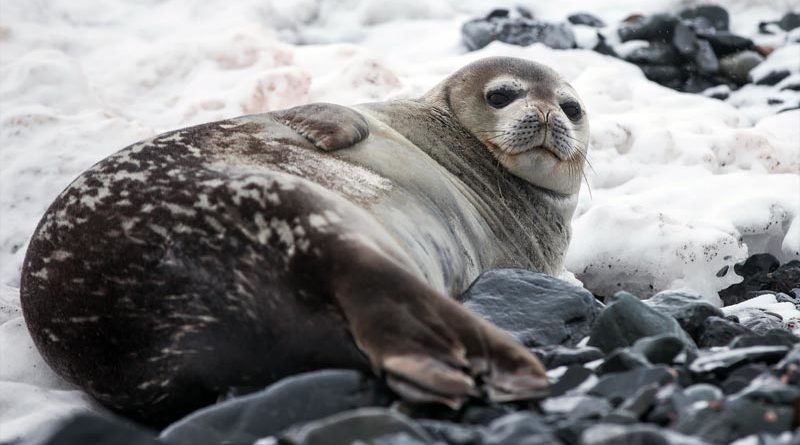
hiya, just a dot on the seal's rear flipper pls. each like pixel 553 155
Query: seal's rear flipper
pixel 328 126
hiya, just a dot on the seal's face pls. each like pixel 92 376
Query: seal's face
pixel 530 119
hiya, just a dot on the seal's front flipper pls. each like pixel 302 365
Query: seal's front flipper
pixel 328 126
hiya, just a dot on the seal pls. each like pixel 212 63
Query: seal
pixel 238 252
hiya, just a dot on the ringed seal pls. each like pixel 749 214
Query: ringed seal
pixel 238 252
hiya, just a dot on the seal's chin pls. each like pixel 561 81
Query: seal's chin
pixel 543 167
pixel 538 149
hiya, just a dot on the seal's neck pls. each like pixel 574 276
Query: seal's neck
pixel 519 214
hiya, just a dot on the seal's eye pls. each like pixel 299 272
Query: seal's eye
pixel 572 110
pixel 498 99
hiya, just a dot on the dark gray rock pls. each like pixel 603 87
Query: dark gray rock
pixel 762 272
pixel 741 377
pixel 618 387
pixel 670 401
pixel 725 43
pixel 705 59
pixel 715 361
pixel 577 406
pixel 627 319
pixel 621 360
pixel 520 428
pixel 788 369
pixel 603 47
pixel 688 308
pixel 718 331
pixel 641 401
pixel 737 66
pixel 759 321
pixel 769 389
pixel 703 392
pixel 555 356
pixel 378 426
pixel 584 18
pixel 661 349
pixel 297 399
pixel 789 21
pixel 668 75
pixel 573 377
pixel 87 428
pixel 638 434
pixel 725 422
pixel 453 433
pixel 484 414
pixel 534 307
pixel 656 53
pixel 684 40
pixel 775 337
pixel 657 27
pixel 717 16
pixel 521 31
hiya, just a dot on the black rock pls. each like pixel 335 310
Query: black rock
pixel 655 28
pixel 618 387
pixel 690 309
pixel 705 59
pixel 716 361
pixel 453 433
pixel 789 368
pixel 555 356
pixel 725 43
pixel 573 377
pixel 87 428
pixel 584 18
pixel 521 31
pixel 717 16
pixel 366 425
pixel 769 389
pixel 762 271
pixel 718 331
pixel 668 75
pixel 534 307
pixel 789 21
pixel 497 13
pixel 638 434
pixel 669 402
pixel 577 406
pixel 724 422
pixel 656 53
pixel 478 414
pixel 684 40
pixel 737 66
pixel 703 392
pixel 775 337
pixel 661 349
pixel 622 360
pixel 628 319
pixel 741 377
pixel 297 399
pixel 641 401
pixel 519 428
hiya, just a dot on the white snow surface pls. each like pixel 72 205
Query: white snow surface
pixel 679 186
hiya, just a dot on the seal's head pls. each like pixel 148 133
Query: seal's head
pixel 527 116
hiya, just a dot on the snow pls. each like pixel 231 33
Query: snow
pixel 680 185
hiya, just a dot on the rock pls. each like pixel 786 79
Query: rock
pixel 758 321
pixel 661 349
pixel 762 271
pixel 725 43
pixel 724 422
pixel 622 360
pixel 775 337
pixel 641 401
pixel 737 66
pixel 296 399
pixel 788 369
pixel 366 425
pixel 698 83
pixel 667 75
pixel 519 428
pixel 684 40
pixel 772 78
pixel 741 377
pixel 573 377
pixel 769 389
pixel 577 406
pixel 618 387
pixel 669 402
pixel 789 21
pixel 520 30
pixel 655 54
pixel 584 18
pixel 688 308
pixel 627 319
pixel 87 428
pixel 716 361
pixel 497 13
pixel 534 307
pixel 703 392
pixel 611 434
pixel 655 28
pixel 717 16
pixel 453 433
pixel 555 356
pixel 718 331
pixel 705 59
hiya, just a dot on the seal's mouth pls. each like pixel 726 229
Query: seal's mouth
pixel 538 148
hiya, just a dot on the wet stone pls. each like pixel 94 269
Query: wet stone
pixel 770 389
pixel 618 387
pixel 641 401
pixel 725 360
pixel 535 308
pixel 741 377
pixel 717 16
pixel 573 377
pixel 453 433
pixel 705 59
pixel 484 414
pixel 668 75
pixel 577 406
pixel 296 399
pixel 87 428
pixel 775 337
pixel 657 27
pixel 661 349
pixel 725 43
pixel 689 308
pixel 365 425
pixel 718 331
pixel 654 54
pixel 622 360
pixel 556 355
pixel 724 422
pixel 670 400
pixel 703 392
pixel 584 18
pixel 519 428
pixel 612 434
pixel 516 30
pixel 684 40
pixel 627 319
